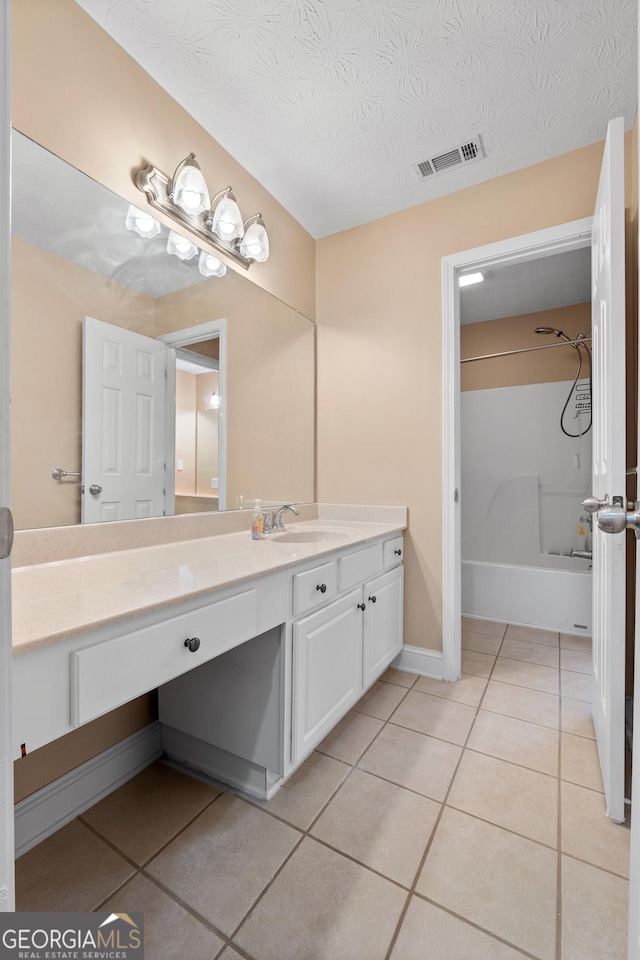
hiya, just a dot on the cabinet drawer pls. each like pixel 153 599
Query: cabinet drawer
pixel 308 589
pixel 113 672
pixel 359 566
pixel 393 552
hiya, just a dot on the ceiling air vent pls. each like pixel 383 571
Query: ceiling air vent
pixel 465 153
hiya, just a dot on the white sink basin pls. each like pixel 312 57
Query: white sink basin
pixel 308 536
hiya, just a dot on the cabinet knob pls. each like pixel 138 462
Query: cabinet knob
pixel 373 599
pixel 192 644
pixel 361 606
pixel 398 553
pixel 322 587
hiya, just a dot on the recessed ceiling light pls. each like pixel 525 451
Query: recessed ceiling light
pixel 468 278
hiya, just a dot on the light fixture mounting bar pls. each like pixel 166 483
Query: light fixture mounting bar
pixel 155 184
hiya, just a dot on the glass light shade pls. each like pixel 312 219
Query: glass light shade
pixel 189 190
pixel 255 244
pixel 226 219
pixel 181 247
pixel 210 266
pixel 142 223
pixel 214 402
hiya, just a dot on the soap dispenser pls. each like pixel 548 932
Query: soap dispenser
pixel 257 521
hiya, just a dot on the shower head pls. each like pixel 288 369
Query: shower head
pixel 558 333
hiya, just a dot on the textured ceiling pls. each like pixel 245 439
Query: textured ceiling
pixel 556 281
pixel 329 102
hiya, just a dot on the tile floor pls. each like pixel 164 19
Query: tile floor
pixel 436 822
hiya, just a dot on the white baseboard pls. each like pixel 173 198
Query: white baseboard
pixel 428 663
pixel 50 808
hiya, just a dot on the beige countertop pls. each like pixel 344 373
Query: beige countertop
pixel 53 601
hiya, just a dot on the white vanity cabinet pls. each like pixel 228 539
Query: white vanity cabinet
pixel 251 676
pixel 327 671
pixel 339 651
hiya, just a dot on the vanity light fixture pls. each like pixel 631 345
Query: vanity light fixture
pixel 180 247
pixel 185 198
pixel 466 279
pixel 142 223
pixel 255 243
pixel 214 402
pixel 188 189
pixel 210 266
pixel 226 220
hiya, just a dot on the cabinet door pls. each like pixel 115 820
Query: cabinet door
pixel 382 623
pixel 327 670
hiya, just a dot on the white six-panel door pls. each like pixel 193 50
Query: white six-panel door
pixel 609 464
pixel 123 424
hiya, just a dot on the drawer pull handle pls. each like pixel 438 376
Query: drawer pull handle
pixel 398 553
pixel 322 587
pixel 361 606
pixel 373 599
pixel 192 644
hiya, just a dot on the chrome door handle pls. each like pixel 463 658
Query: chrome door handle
pixel 613 518
pixel 95 490
pixel 592 504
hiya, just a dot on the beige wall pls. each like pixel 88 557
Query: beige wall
pixel 379 350
pixel 76 92
pixel 270 396
pixel 516 333
pixel 50 297
pixel 55 759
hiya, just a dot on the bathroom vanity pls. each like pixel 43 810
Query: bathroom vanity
pixel 258 648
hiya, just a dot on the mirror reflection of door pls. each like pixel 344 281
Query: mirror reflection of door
pixel 197 427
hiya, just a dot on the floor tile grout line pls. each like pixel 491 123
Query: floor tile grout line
pixel 500 826
pixel 161 849
pixel 115 892
pixel 436 825
pixel 596 866
pixel 476 926
pixel 184 905
pixel 515 763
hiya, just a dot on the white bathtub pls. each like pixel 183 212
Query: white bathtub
pixel 558 599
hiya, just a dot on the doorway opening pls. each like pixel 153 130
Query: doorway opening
pixel 525 440
pixel 196 439
pixel 516 252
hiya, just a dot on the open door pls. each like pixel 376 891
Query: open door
pixel 123 424
pixel 6 757
pixel 609 463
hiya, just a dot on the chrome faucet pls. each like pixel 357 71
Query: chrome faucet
pixel 277 516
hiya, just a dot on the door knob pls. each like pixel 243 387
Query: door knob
pixel 613 518
pixel 592 504
pixel 95 490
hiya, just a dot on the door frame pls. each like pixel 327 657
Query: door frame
pixel 7 883
pixel 213 329
pixel 529 246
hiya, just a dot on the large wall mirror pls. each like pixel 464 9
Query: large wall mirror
pixel 98 310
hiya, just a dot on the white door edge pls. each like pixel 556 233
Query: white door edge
pixel 529 246
pixel 206 331
pixel 7 884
